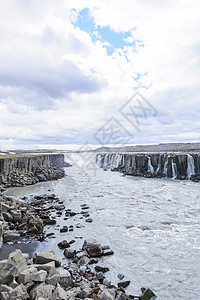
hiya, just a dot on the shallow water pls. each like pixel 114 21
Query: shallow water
pixel 151 224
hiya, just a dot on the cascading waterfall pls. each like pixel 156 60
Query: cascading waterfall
pixel 190 166
pixel 174 170
pixel 150 167
pixel 159 164
pixel 166 168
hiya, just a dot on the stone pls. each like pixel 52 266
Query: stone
pixel 7 272
pixel 63 244
pixel 69 253
pixel 39 276
pixel 42 290
pixel 10 236
pixel 92 247
pixel 46 267
pixel 53 279
pixel 59 294
pixel 7 216
pixel 16 214
pixel 18 260
pixel 64 229
pixel 89 220
pixel 120 276
pixel 101 269
pixel 46 257
pixel 65 277
pixel 107 295
pixel 5 208
pixel 26 275
pixel 123 284
pixel 147 294
pixel 19 292
pixel 84 261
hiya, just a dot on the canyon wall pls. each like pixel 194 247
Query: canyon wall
pixel 30 169
pixel 176 166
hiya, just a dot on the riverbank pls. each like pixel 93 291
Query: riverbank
pixel 21 170
pixel 45 277
pixel 38 277
pixel 150 224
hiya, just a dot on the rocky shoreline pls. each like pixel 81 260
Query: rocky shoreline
pixel 44 276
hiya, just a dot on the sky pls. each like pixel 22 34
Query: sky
pixel 109 72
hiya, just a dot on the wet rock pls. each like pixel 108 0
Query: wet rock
pixel 46 267
pixel 69 253
pixel 10 236
pixel 63 244
pixel 92 247
pixel 89 220
pixel 120 276
pixel 50 234
pixel 64 229
pixel 19 292
pixel 46 257
pixel 107 295
pixel 101 269
pixel 123 284
pixel 65 277
pixel 147 294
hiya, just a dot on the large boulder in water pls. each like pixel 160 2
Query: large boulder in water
pixel 92 247
pixel 46 257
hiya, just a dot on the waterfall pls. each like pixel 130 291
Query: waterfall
pixel 174 170
pixel 166 168
pixel 159 164
pixel 190 166
pixel 150 167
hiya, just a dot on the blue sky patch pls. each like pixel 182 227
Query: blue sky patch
pixel 113 40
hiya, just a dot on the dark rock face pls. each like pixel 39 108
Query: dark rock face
pixel 27 170
pixel 177 166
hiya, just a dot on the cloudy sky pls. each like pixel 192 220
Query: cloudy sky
pixel 99 72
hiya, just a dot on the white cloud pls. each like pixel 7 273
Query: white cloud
pixel 58 86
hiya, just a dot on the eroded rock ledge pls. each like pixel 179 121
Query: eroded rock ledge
pixel 20 170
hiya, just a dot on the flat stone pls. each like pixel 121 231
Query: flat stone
pixel 46 267
pixel 46 257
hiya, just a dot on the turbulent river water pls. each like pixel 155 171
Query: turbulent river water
pixel 151 224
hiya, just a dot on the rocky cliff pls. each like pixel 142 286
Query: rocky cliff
pixel 26 170
pixel 177 166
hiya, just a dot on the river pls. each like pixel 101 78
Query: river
pixel 151 224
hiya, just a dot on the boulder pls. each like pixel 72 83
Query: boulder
pixel 42 290
pixel 107 294
pixel 18 260
pixel 46 267
pixel 46 257
pixel 59 294
pixel 69 253
pixel 26 275
pixel 65 277
pixel 19 292
pixel 92 247
pixel 7 272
